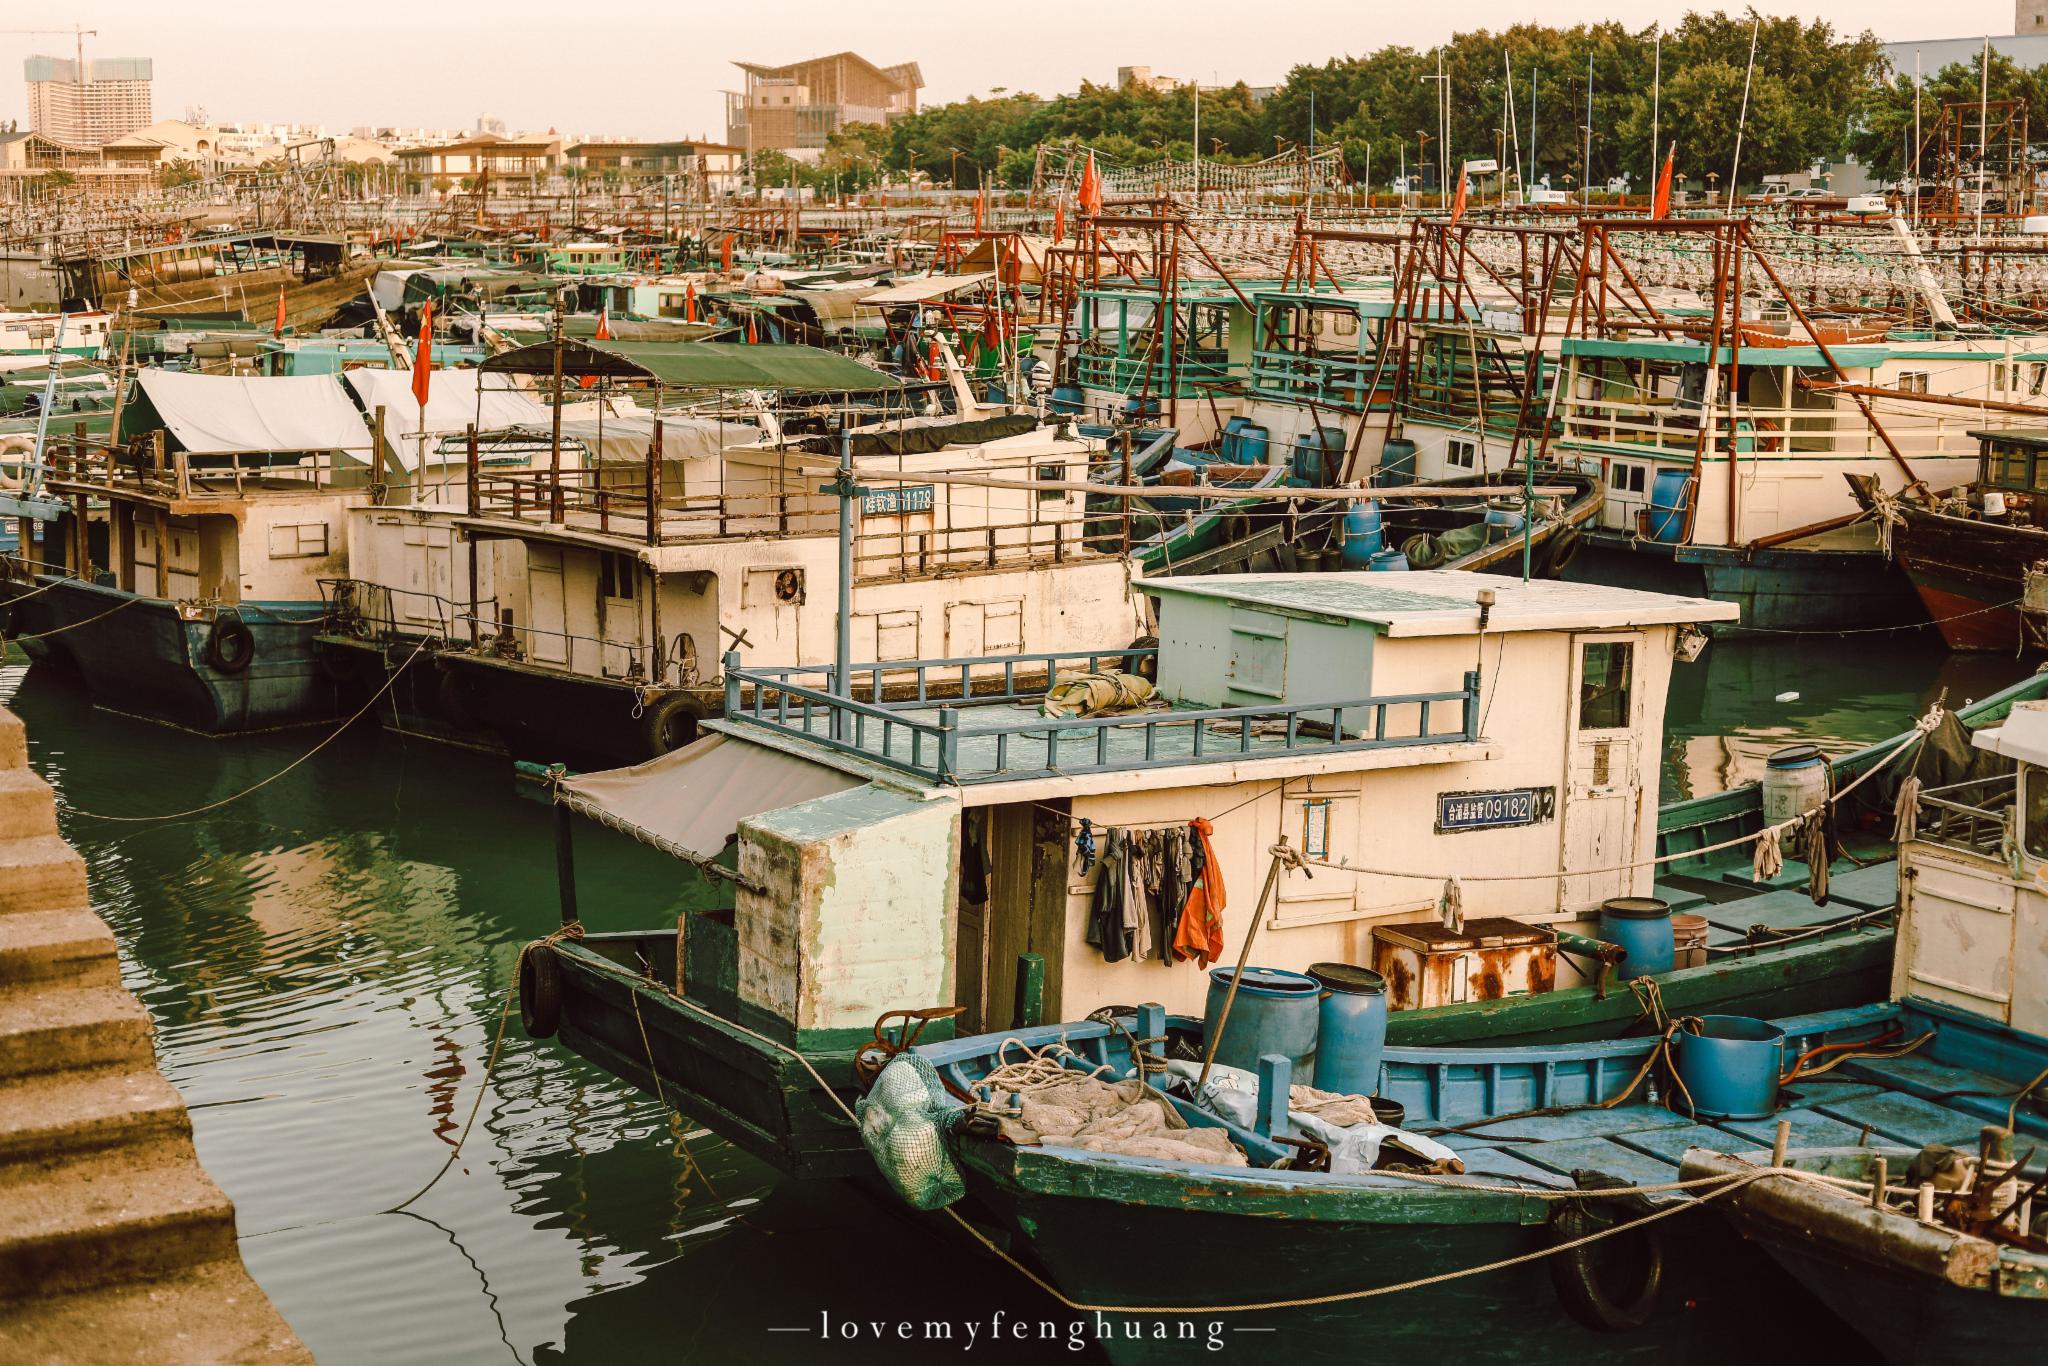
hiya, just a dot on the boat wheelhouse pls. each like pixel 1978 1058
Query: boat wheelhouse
pixel 1182 363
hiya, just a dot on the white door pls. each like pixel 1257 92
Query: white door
pixel 1603 796
pixel 771 603
pixel 546 638
pixel 618 607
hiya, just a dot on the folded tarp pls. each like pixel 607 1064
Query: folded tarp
pixel 921 288
pixel 689 803
pixel 920 436
pixel 217 414
pixel 451 407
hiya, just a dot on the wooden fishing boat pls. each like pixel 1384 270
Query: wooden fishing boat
pixel 696 1013
pixel 1934 1244
pixel 1970 554
pixel 1147 1244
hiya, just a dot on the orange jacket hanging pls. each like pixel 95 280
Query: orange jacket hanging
pixel 1200 935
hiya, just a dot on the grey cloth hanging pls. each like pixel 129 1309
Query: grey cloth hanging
pixel 1109 926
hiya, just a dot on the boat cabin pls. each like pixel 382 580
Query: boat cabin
pixel 1397 733
pixel 2014 465
pixel 1973 886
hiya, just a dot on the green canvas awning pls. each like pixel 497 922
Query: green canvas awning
pixel 701 365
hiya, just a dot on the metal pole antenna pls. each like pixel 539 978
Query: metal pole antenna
pixel 843 485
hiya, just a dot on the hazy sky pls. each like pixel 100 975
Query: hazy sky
pixel 651 69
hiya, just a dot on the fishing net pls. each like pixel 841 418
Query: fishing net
pixel 903 1122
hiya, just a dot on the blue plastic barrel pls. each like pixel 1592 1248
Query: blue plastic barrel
pixel 1351 1028
pixel 1231 447
pixel 1730 1069
pixel 1252 444
pixel 1642 925
pixel 1317 453
pixel 1275 1012
pixel 1363 534
pixel 1669 494
pixel 1140 408
pixel 1388 560
pixel 1503 524
pixel 1397 463
pixel 1067 398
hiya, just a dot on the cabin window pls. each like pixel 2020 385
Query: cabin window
pixel 616 576
pixel 1605 677
pixel 2037 374
pixel 1052 474
pixel 298 542
pixel 2014 467
pixel 2035 812
pixel 1462 455
pixel 1998 378
pixel 1625 478
pixel 1912 381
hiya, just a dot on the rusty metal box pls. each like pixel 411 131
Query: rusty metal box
pixel 1428 964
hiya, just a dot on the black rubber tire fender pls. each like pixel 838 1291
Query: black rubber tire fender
pixel 669 722
pixel 1579 1274
pixel 540 991
pixel 1564 548
pixel 1144 666
pixel 230 646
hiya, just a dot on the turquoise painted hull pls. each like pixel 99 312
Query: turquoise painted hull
pixel 1777 589
pixel 141 656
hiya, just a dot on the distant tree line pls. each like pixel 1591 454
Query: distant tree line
pixel 1815 94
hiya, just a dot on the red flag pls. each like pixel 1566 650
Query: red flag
pixel 980 206
pixel 1059 221
pixel 604 324
pixel 1091 189
pixel 277 328
pixel 725 253
pixel 1458 204
pixel 1660 202
pixel 423 354
pixel 690 302
pixel 753 337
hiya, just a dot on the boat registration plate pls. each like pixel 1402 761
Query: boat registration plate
pixel 1494 810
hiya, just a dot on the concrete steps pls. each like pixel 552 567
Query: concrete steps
pixel 115 1245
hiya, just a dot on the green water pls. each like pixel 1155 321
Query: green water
pixel 327 961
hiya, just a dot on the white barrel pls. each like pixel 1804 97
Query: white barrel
pixel 1795 782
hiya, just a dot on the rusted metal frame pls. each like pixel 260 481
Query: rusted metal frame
pixel 1532 368
pixel 1406 276
pixel 1913 479
pixel 1169 303
pixel 1699 445
pixel 1734 382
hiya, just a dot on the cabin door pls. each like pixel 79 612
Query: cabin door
pixel 1603 790
pixel 547 641
pixel 618 611
pixel 771 607
pixel 1028 843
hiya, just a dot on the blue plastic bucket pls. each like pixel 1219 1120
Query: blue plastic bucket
pixel 1351 1028
pixel 1730 1069
pixel 1642 925
pixel 1388 560
pixel 1669 493
pixel 1275 1012
pixel 1067 398
pixel 1363 534
pixel 1502 524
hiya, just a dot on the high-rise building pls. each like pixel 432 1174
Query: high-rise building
pixel 109 99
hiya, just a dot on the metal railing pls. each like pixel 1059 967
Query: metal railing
pixel 931 747
pixel 1972 816
pixel 91 466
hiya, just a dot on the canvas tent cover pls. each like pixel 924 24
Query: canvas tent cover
pixel 451 407
pixel 922 288
pixel 216 414
pixel 689 803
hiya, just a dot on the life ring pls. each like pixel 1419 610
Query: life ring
pixel 1768 445
pixel 1590 1281
pixel 1564 548
pixel 540 992
pixel 668 723
pixel 230 646
pixel 15 451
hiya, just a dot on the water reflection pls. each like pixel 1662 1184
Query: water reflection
pixel 1725 715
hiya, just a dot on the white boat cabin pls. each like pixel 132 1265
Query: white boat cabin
pixel 1396 731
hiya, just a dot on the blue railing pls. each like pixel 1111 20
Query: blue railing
pixel 938 747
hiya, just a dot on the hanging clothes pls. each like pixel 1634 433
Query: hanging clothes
pixel 1176 878
pixel 1109 922
pixel 1200 935
pixel 1140 859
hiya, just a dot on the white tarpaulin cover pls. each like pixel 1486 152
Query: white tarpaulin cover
pixel 923 287
pixel 451 407
pixel 691 801
pixel 210 414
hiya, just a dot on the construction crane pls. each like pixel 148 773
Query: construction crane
pixel 77 31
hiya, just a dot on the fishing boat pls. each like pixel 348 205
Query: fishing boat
pixel 243 275
pixel 1930 1238
pixel 1975 552
pixel 216 518
pixel 755 1005
pixel 578 618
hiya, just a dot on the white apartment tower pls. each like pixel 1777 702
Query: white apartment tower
pixel 109 99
